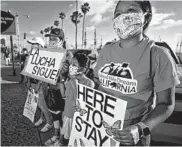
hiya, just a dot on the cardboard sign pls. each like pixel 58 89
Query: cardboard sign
pixel 44 64
pixel 8 25
pixel 31 105
pixel 97 115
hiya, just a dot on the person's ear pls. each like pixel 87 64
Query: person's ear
pixel 148 18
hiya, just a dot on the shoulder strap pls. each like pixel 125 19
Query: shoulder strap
pixel 166 46
pixel 151 46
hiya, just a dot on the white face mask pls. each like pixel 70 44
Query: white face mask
pixel 57 44
pixel 127 25
pixel 73 70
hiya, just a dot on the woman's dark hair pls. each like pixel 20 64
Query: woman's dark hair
pixel 82 59
pixel 146 8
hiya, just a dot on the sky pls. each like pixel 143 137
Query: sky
pixel 166 22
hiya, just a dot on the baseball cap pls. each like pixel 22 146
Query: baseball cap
pixel 56 32
pixel 37 40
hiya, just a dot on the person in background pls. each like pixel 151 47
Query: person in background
pixel 7 57
pixel 150 68
pixel 54 98
pixel 37 43
pixel 77 70
pixel 24 56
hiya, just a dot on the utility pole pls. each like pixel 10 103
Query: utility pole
pixel 159 38
pixel 101 41
pixel 12 54
pixel 95 39
pixel 85 40
pixel 179 49
pixel 76 22
pixel 18 32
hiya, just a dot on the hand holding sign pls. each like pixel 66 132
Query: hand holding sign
pixel 79 109
pixel 124 136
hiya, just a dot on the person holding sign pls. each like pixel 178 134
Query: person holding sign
pixel 54 98
pixel 39 87
pixel 77 70
pixel 138 71
pixel 24 57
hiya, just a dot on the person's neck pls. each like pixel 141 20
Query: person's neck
pixel 128 43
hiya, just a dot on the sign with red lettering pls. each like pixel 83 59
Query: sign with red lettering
pixel 8 25
pixel 44 64
pixel 97 116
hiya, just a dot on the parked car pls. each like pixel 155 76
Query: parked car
pixel 170 132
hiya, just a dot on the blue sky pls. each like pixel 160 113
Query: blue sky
pixel 166 23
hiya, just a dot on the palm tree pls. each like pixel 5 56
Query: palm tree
pixel 75 18
pixel 56 23
pixel 42 32
pixel 46 30
pixel 62 15
pixel 84 8
pixel 51 28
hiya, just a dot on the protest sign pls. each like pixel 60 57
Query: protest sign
pixel 96 117
pixel 31 105
pixel 44 64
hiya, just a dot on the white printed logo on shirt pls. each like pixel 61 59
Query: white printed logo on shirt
pixel 118 77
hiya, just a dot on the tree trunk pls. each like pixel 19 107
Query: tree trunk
pixel 62 24
pixel 76 37
pixel 83 29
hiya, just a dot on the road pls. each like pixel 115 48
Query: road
pixel 17 130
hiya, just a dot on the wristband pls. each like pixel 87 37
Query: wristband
pixel 144 128
pixel 145 133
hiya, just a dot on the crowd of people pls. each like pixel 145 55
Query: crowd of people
pixel 134 56
pixel 57 102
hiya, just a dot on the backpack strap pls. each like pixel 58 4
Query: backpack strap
pixel 150 70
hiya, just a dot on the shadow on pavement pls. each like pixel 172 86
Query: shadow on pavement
pixel 7 74
pixel 16 129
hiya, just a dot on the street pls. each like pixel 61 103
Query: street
pixel 16 129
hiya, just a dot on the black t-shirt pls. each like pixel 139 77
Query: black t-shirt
pixel 6 54
pixel 23 57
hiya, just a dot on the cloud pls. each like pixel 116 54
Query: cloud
pixel 164 20
pixel 70 5
pixel 157 18
pixel 32 33
pixel 91 28
pixel 98 18
pixel 179 35
pixel 165 24
pixel 99 8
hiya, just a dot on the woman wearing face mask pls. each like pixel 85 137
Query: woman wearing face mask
pixel 148 81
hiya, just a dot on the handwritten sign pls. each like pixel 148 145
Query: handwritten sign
pixel 44 65
pixel 97 116
pixel 31 105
